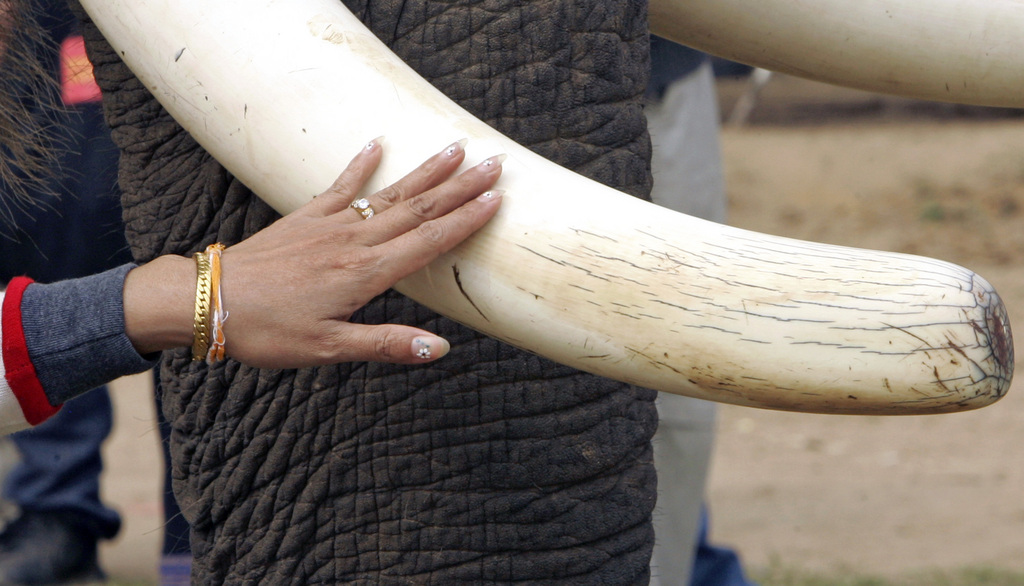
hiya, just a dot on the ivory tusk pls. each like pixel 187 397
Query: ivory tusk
pixel 946 50
pixel 282 92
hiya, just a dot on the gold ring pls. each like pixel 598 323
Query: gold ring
pixel 364 208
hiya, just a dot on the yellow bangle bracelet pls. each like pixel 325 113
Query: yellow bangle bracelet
pixel 201 326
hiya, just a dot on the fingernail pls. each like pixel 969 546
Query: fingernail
pixel 429 347
pixel 373 143
pixel 493 161
pixel 491 195
pixel 456 146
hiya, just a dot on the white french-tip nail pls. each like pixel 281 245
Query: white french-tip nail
pixel 429 347
pixel 493 161
pixel 373 143
pixel 456 146
pixel 491 195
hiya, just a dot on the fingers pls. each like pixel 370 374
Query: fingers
pixel 435 203
pixel 427 176
pixel 351 181
pixel 391 343
pixel 419 247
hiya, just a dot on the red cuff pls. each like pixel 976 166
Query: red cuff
pixel 20 373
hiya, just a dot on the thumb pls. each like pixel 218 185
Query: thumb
pixel 392 343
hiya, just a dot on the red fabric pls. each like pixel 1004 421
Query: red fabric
pixel 21 375
pixel 77 84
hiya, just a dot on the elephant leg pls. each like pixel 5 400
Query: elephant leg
pixel 490 465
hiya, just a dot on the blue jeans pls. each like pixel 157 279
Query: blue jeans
pixel 61 465
pixel 713 565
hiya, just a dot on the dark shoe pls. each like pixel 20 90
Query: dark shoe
pixel 48 548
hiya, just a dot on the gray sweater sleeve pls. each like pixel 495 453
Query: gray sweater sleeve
pixel 74 331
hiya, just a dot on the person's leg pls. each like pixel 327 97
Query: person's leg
pixel 688 178
pixel 56 487
pixel 715 566
pixel 682 451
pixel 686 158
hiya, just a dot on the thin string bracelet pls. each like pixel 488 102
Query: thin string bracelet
pixel 217 313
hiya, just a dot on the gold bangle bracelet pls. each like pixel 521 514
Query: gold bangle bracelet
pixel 201 326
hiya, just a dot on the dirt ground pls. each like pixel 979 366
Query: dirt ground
pixel 895 494
pixel 880 495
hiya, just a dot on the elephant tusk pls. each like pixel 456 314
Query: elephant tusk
pixel 616 286
pixel 945 50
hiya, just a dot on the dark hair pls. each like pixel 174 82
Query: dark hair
pixel 29 105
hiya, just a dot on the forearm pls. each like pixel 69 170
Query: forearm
pixel 159 299
pixel 59 341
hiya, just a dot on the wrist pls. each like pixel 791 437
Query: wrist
pixel 159 304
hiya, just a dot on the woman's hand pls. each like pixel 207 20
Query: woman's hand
pixel 290 289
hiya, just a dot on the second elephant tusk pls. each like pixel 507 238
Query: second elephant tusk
pixel 945 50
pixel 570 269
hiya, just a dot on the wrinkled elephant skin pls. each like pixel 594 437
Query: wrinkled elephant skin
pixel 490 465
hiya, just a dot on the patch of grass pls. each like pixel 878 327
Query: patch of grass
pixel 933 212
pixel 779 574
